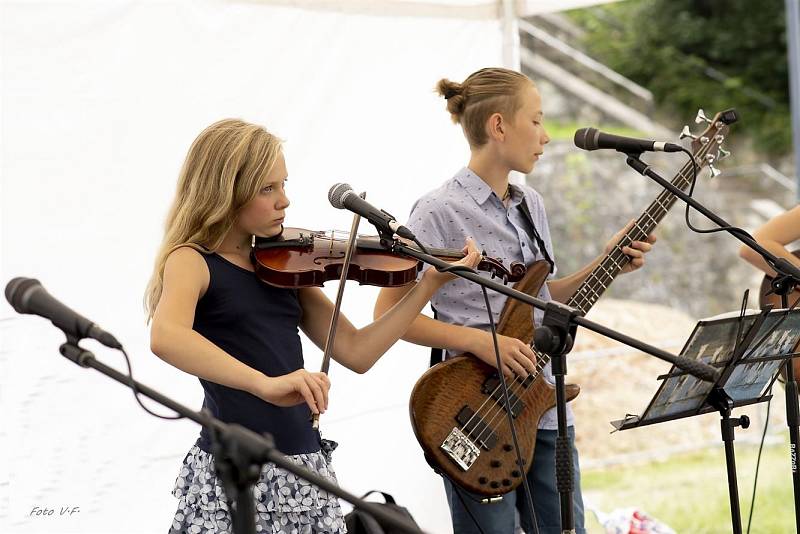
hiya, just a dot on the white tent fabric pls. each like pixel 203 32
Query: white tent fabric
pixel 100 102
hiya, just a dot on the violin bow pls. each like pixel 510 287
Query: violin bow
pixel 326 357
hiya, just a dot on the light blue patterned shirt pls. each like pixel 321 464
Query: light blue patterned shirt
pixel 465 206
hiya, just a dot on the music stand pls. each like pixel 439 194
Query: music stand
pixel 749 349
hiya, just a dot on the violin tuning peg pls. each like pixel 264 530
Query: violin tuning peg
pixel 687 133
pixel 701 117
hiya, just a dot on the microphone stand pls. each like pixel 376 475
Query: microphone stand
pixel 239 453
pixel 555 338
pixel 787 277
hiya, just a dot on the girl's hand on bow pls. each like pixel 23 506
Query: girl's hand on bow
pixel 296 388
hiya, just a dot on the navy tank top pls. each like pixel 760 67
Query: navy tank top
pixel 257 324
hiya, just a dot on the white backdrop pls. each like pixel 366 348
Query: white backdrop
pixel 100 102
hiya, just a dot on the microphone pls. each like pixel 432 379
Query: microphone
pixel 592 139
pixel 26 295
pixel 342 196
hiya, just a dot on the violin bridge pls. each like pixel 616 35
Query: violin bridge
pixel 460 449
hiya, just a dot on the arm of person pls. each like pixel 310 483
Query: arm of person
pixel 359 349
pixel 774 235
pixel 172 339
pixel 516 357
pixel 562 289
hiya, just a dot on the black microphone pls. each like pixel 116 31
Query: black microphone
pixel 26 295
pixel 342 196
pixel 592 139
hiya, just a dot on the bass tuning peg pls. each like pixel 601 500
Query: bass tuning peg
pixel 686 133
pixel 701 117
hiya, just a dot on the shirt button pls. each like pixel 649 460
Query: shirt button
pixel 524 244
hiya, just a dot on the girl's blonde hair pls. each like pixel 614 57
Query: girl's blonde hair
pixel 223 171
pixel 484 92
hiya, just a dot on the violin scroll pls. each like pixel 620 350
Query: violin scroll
pixel 514 273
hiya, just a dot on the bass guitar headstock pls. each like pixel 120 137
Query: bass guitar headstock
pixel 707 147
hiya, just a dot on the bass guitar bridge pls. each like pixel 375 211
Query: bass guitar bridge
pixel 460 449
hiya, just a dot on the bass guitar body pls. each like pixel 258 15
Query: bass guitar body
pixel 459 415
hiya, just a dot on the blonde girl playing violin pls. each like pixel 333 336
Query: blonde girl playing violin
pixel 213 318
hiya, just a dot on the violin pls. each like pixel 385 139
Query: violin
pixel 305 258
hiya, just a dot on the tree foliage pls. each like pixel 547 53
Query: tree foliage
pixel 713 54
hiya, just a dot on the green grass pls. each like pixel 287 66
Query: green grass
pixel 690 492
pixel 565 131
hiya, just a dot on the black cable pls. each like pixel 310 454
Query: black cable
pixel 507 400
pixel 421 246
pixel 463 503
pixel 764 433
pixel 758 462
pixel 733 229
pixel 506 397
pixel 455 487
pixel 136 392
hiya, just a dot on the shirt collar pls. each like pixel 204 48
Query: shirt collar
pixel 480 190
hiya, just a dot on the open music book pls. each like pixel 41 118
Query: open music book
pixel 748 347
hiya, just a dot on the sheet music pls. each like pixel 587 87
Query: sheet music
pixel 713 342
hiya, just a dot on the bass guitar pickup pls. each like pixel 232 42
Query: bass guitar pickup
pixel 476 428
pixel 492 387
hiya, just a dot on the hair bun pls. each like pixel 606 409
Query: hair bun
pixel 453 93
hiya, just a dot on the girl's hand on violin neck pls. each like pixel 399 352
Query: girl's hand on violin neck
pixel 296 388
pixel 471 259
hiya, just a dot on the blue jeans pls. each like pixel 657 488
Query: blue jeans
pixel 499 517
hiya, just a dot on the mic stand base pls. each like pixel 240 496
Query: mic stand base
pixel 239 468
pixel 783 285
pixel 723 403
pixel 793 421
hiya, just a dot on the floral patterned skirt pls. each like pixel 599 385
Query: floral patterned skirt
pixel 284 503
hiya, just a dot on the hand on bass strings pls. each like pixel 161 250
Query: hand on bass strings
pixel 635 250
pixel 516 357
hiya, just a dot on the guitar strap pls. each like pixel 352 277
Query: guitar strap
pixel 437 355
pixel 536 236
